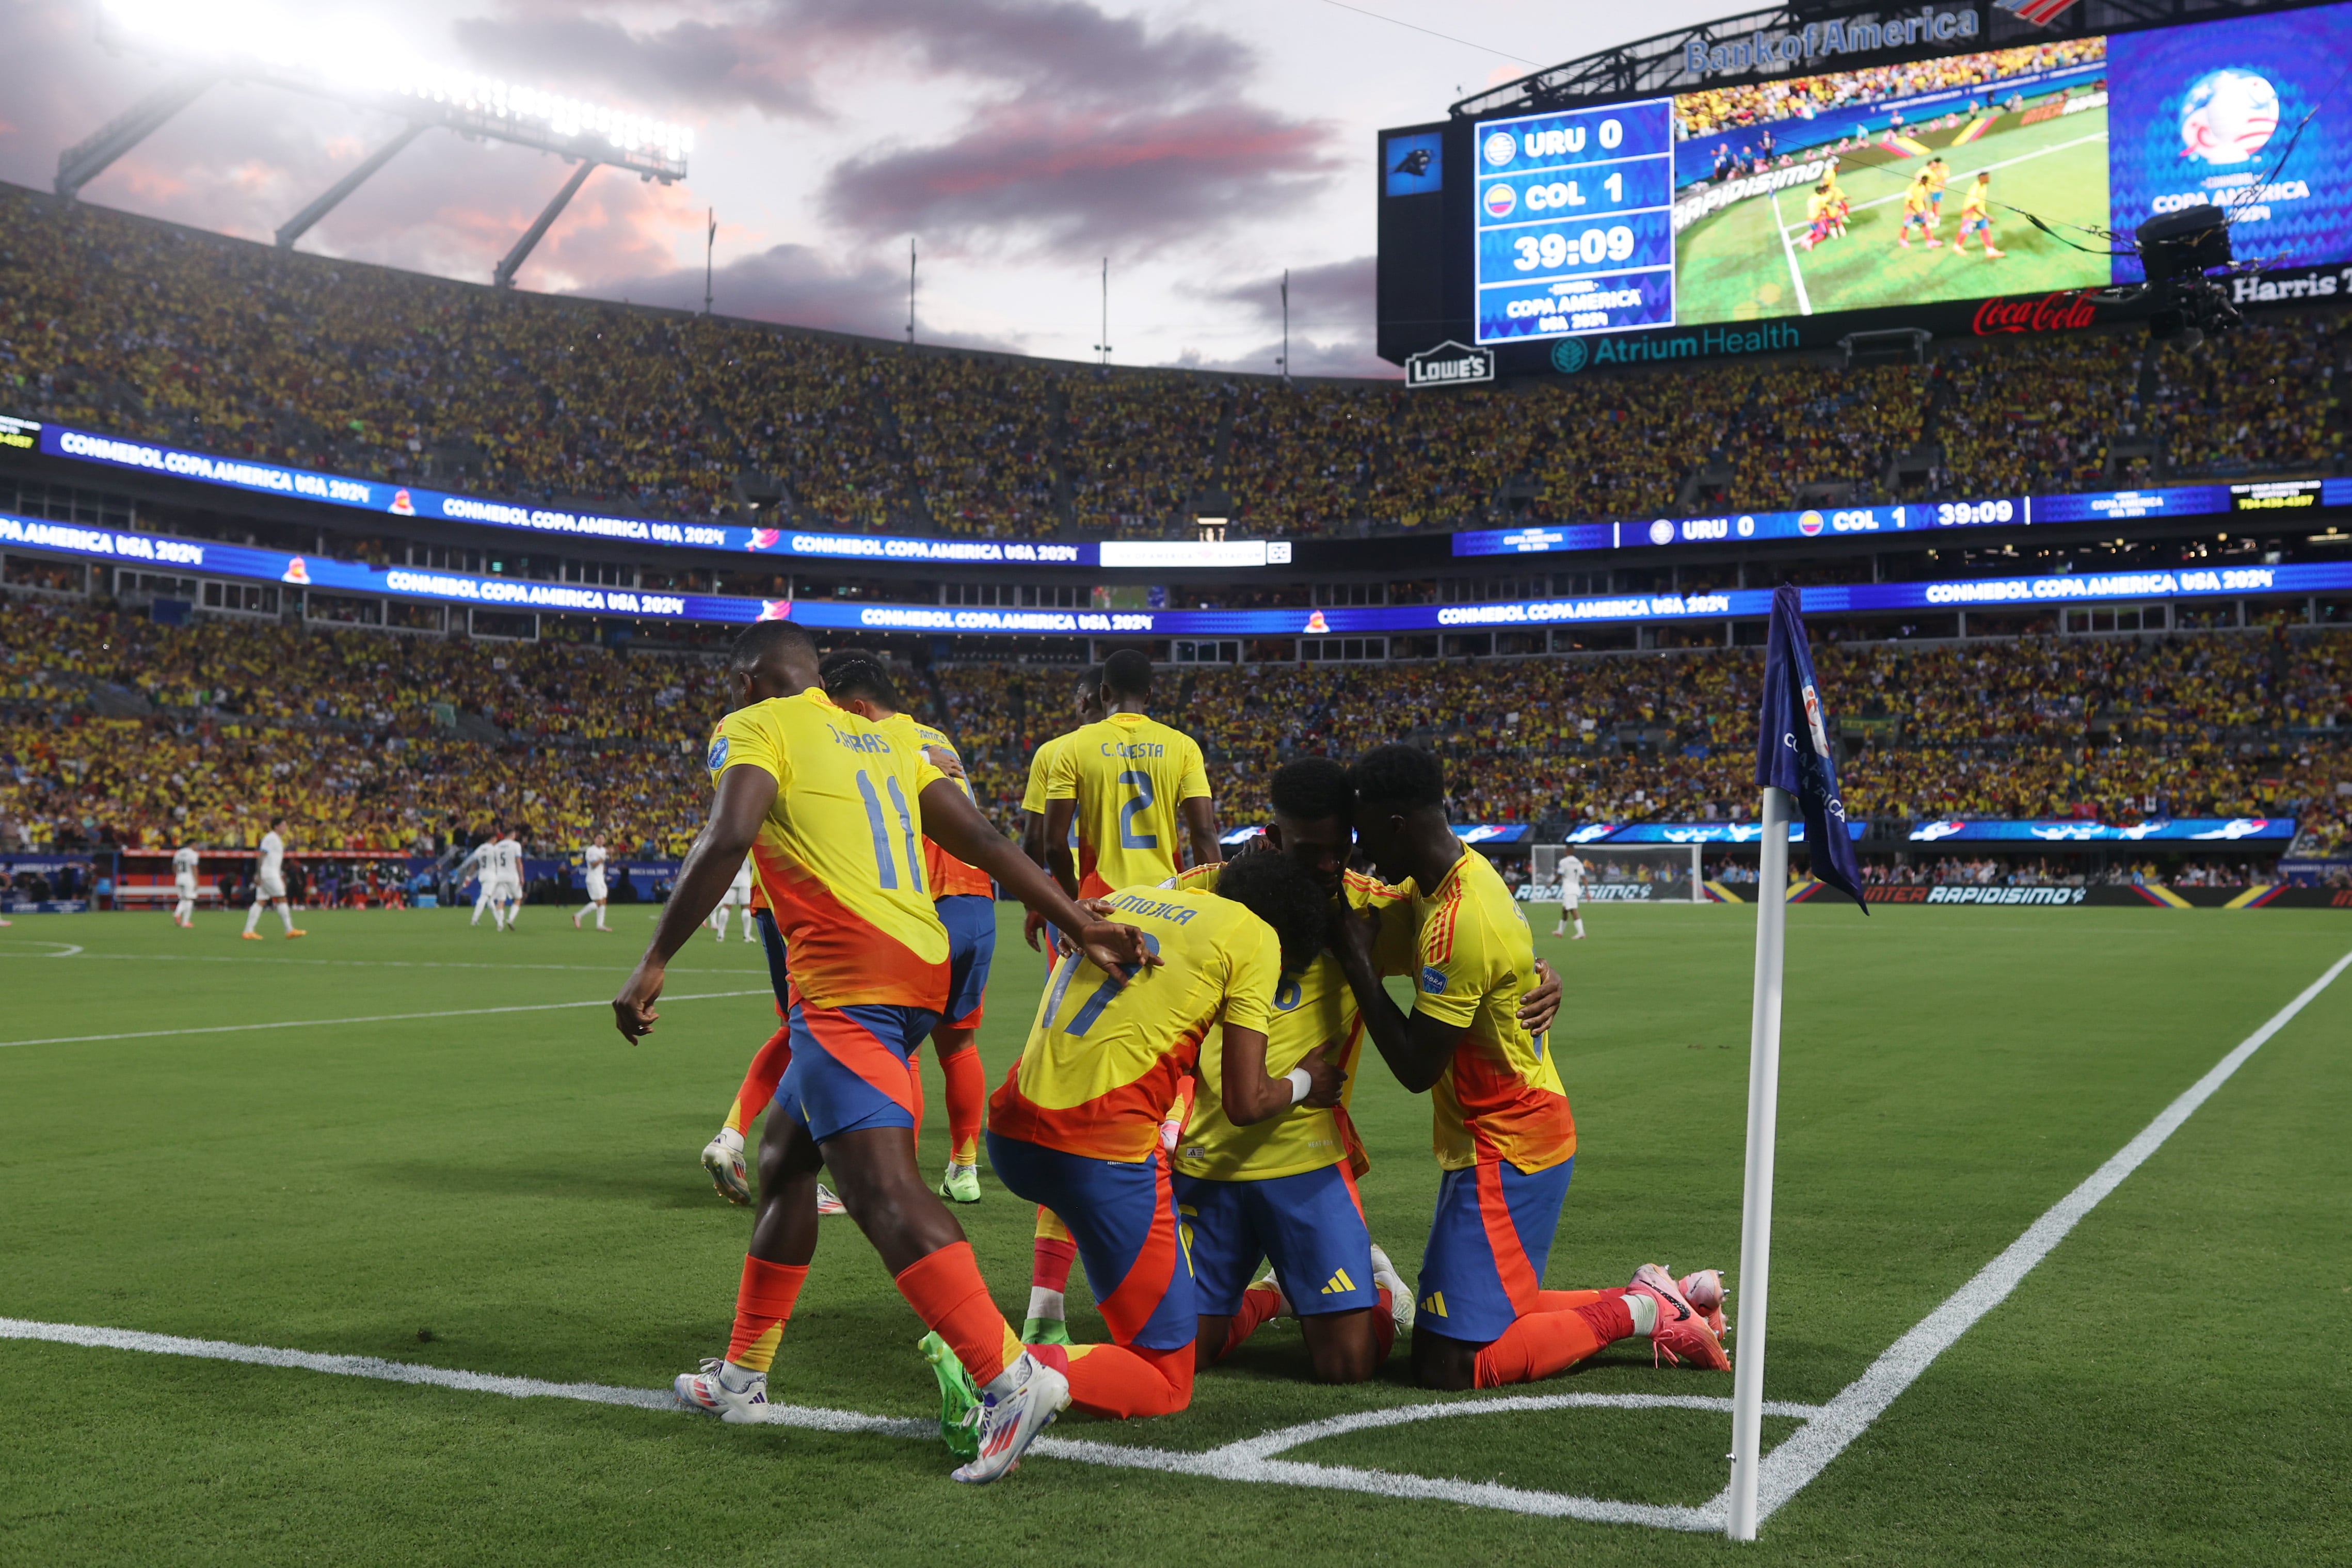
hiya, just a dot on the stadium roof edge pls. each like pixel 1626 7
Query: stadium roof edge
pixel 49 198
pixel 1648 66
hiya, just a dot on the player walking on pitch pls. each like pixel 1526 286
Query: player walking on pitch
pixel 833 806
pixel 1571 897
pixel 1918 212
pixel 592 863
pixel 1506 1142
pixel 965 899
pixel 184 886
pixel 1976 216
pixel 270 883
pixel 738 896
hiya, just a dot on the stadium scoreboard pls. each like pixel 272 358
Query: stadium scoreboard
pixel 1574 216
pixel 1837 189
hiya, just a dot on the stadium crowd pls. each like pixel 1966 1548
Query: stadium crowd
pixel 142 328
pixel 119 729
pixel 1715 111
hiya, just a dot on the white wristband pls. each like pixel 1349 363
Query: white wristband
pixel 1302 1084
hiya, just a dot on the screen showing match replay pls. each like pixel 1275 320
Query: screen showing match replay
pixel 1897 184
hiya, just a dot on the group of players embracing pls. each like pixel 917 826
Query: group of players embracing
pixel 1179 1112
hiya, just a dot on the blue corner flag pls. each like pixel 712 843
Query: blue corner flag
pixel 1792 748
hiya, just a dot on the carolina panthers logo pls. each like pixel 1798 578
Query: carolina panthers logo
pixel 717 757
pixel 1567 355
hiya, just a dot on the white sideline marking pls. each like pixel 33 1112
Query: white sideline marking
pixel 617 967
pixel 1786 1469
pixel 1796 273
pixel 1249 1460
pixel 70 950
pixel 373 1018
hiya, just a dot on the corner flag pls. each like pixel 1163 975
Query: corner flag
pixel 1792 748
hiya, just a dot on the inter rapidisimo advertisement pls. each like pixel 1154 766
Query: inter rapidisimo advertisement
pixel 1730 210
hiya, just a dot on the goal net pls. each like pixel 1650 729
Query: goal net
pixel 1621 873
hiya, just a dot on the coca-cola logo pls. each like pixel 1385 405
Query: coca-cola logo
pixel 2067 311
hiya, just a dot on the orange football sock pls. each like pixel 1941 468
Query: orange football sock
pixel 1259 1302
pixel 763 1304
pixel 947 1292
pixel 1122 1380
pixel 1566 1300
pixel 759 1091
pixel 1049 1267
pixel 1543 1343
pixel 967 1099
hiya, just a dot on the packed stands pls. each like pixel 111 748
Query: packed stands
pixel 113 728
pixel 137 328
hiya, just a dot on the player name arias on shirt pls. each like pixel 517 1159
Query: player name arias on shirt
pixel 859 742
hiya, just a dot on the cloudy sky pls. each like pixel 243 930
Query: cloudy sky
pixel 1201 147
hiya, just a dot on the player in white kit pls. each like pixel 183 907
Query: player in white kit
pixel 737 897
pixel 1572 895
pixel 504 866
pixel 183 887
pixel 269 884
pixel 593 865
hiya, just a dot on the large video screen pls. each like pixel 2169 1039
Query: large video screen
pixel 1903 185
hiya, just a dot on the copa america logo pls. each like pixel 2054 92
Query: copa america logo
pixel 2228 117
pixel 1567 355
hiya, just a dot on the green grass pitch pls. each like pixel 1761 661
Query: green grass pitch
pixel 2168 1387
pixel 1733 266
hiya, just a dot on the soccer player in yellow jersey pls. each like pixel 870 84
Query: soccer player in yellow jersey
pixel 1504 1138
pixel 1076 1124
pixel 1086 699
pixel 965 899
pixel 833 809
pixel 1918 211
pixel 1285 1188
pixel 1127 781
pixel 1975 216
pixel 1939 174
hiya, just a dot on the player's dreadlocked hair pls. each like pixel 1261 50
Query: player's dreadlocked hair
pixel 1127 673
pixel 1399 778
pixel 763 638
pixel 1309 789
pixel 1285 896
pixel 849 673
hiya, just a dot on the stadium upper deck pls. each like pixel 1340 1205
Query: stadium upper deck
pixel 136 328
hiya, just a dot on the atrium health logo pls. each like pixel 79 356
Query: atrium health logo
pixel 1567 355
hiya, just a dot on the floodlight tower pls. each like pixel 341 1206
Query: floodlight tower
pixel 288 50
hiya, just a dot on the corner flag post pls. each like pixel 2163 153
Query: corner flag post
pixel 1798 773
pixel 1755 1201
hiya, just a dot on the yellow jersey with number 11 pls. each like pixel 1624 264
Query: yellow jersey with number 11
pixel 1129 774
pixel 840 855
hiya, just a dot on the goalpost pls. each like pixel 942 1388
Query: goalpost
pixel 1622 873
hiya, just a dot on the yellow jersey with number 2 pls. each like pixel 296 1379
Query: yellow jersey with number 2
pixel 1129 774
pixel 840 855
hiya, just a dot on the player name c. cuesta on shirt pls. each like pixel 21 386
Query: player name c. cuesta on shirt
pixel 840 855
pixel 1501 1098
pixel 1102 1064
pixel 1309 1010
pixel 1128 773
pixel 948 876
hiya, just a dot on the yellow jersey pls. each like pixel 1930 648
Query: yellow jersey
pixel 1972 205
pixel 1103 1064
pixel 948 876
pixel 840 855
pixel 1939 176
pixel 1818 203
pixel 1033 800
pixel 1129 774
pixel 1914 198
pixel 1309 1009
pixel 1500 1097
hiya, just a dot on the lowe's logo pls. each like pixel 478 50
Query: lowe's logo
pixel 1449 364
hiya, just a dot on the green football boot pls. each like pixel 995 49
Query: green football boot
pixel 959 1399
pixel 960 1184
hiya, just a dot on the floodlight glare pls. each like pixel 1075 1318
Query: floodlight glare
pixel 358 59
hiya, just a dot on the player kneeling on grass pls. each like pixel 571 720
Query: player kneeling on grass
pixel 1504 1138
pixel 835 808
pixel 1075 1125
pixel 1285 1188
